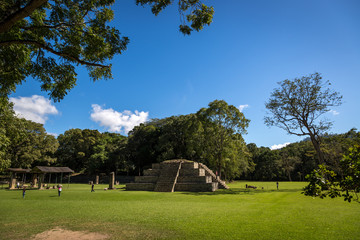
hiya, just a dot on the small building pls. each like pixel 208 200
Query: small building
pixel 38 175
pixel 40 171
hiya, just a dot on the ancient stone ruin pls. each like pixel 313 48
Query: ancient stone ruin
pixel 177 175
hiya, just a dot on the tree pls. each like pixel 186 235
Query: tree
pixel 77 148
pixel 237 159
pixel 142 145
pixel 288 159
pixel 180 137
pixel 23 143
pixel 324 182
pixel 30 145
pixel 265 160
pixel 297 105
pixel 221 122
pixel 7 117
pixel 47 39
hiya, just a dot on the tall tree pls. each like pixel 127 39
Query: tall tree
pixel 28 144
pixel 142 145
pixel 288 159
pixel 297 105
pixel 265 160
pixel 77 147
pixel 7 117
pixel 221 122
pixel 47 39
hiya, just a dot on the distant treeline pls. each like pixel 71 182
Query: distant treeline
pixel 212 136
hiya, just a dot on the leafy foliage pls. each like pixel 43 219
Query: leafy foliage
pixel 193 14
pixel 48 39
pixel 297 105
pixel 324 182
pixel 221 122
pixel 23 143
pixel 91 151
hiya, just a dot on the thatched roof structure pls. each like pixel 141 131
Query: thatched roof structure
pixel 43 169
pixel 19 170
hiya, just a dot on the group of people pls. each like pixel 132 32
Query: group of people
pixel 59 187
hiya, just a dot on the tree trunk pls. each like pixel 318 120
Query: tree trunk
pixel 289 175
pixel 316 145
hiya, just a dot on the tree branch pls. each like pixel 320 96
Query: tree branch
pixel 49 49
pixel 22 13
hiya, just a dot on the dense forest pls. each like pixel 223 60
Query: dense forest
pixel 212 136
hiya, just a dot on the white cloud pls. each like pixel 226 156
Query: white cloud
pixel 333 112
pixel 34 108
pixel 242 107
pixel 53 134
pixel 278 146
pixel 117 121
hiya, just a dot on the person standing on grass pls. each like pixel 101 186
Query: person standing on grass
pixel 277 185
pixel 59 189
pixel 24 190
pixel 92 188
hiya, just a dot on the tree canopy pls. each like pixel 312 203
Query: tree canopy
pixel 23 143
pixel 221 123
pixel 48 39
pixel 297 105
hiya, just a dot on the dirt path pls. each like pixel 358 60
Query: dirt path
pixel 58 233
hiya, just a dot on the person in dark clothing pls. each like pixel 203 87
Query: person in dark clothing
pixel 92 188
pixel 24 190
pixel 277 185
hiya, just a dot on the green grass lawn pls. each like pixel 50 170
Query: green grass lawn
pixel 236 213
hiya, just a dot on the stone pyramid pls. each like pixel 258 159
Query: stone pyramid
pixel 177 175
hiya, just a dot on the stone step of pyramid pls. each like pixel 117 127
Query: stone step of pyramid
pixel 146 179
pixel 192 172
pixel 196 187
pixel 190 165
pixel 166 179
pixel 152 172
pixel 155 166
pixel 140 186
pixel 163 187
pixel 194 179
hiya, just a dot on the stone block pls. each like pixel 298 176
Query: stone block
pixel 152 172
pixel 196 187
pixel 155 166
pixel 189 165
pixel 192 172
pixel 140 186
pixel 194 179
pixel 146 179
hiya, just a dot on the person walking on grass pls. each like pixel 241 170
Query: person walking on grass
pixel 24 190
pixel 59 189
pixel 92 188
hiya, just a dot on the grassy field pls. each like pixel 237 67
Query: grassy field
pixel 236 213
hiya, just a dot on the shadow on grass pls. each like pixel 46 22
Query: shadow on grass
pixel 239 191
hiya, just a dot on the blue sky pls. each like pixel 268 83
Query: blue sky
pixel 240 57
